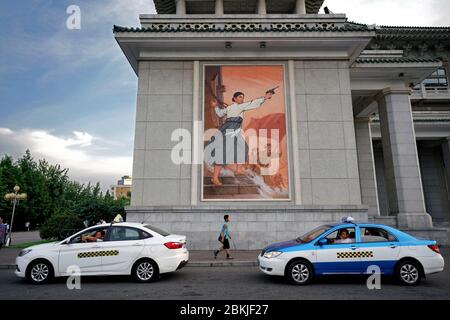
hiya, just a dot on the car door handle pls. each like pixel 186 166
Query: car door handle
pixel 353 247
pixel 96 247
pixel 393 246
pixel 137 244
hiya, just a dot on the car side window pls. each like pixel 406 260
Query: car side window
pixel 341 236
pixel 372 234
pixel 144 235
pixel 91 235
pixel 126 234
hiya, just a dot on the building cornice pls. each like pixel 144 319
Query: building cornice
pixel 398 60
pixel 286 27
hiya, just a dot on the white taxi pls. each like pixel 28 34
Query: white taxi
pixel 140 250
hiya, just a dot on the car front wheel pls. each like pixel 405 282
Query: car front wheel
pixel 39 272
pixel 408 273
pixel 145 271
pixel 299 273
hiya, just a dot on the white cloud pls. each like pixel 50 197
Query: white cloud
pixel 77 152
pixel 396 13
pixel 6 132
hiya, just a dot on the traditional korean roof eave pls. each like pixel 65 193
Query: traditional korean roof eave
pixel 413 32
pixel 242 27
pixel 401 60
pixel 319 39
pixel 405 32
pixel 413 41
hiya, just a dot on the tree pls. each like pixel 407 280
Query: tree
pixel 54 202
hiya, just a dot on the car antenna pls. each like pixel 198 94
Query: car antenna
pixel 145 221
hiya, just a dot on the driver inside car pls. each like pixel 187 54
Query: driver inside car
pixel 343 237
pixel 98 236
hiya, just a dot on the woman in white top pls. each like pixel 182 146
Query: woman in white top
pixel 231 129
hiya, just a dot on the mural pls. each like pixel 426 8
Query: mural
pixel 245 139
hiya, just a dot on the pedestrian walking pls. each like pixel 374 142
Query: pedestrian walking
pixel 2 233
pixel 224 238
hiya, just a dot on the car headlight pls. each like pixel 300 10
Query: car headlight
pixel 24 252
pixel 272 254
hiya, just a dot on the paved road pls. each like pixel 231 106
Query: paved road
pixel 223 283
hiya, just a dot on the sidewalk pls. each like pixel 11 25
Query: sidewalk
pixel 197 258
pixel 25 236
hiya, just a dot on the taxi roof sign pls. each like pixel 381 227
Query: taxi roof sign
pixel 348 220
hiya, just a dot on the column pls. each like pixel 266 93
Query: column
pixel 181 7
pixel 446 65
pixel 262 7
pixel 300 7
pixel 446 156
pixel 366 165
pixel 403 180
pixel 219 7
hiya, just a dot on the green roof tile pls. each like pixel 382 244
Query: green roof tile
pixel 244 27
pixel 397 60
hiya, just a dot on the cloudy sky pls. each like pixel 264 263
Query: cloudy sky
pixel 69 95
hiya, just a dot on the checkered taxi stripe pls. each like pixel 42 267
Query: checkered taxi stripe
pixel 93 254
pixel 360 254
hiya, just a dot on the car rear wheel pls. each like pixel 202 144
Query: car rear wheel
pixel 408 273
pixel 39 272
pixel 145 271
pixel 299 273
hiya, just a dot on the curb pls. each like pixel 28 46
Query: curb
pixel 191 264
pixel 194 264
pixel 7 266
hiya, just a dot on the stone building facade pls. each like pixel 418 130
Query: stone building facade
pixel 367 136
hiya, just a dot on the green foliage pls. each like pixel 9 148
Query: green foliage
pixel 60 225
pixel 54 202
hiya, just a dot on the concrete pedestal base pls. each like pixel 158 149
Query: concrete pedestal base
pixel 441 235
pixel 414 221
pixel 250 228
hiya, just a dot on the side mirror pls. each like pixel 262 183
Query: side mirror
pixel 323 242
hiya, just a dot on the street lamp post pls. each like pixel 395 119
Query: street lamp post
pixel 14 198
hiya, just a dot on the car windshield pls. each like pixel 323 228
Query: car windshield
pixel 162 232
pixel 311 235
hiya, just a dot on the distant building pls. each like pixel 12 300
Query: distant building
pixel 122 189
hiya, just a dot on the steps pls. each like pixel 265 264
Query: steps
pixel 239 187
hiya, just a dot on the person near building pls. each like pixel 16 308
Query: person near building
pixel 224 238
pixel 2 233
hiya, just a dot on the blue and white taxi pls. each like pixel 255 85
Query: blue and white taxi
pixel 140 250
pixel 351 248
